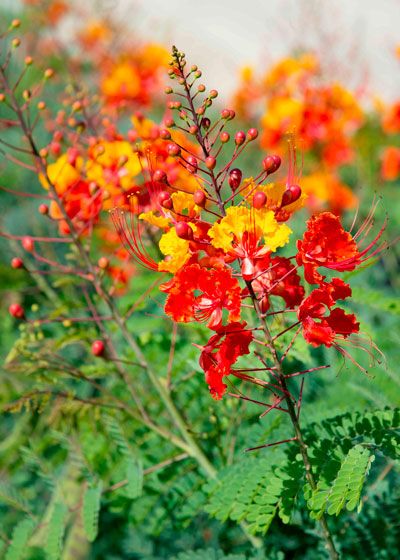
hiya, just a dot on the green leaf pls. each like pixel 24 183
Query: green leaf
pixel 19 540
pixel 90 511
pixel 55 532
pixel 376 299
pixel 134 474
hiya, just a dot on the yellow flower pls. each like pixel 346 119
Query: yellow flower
pixel 240 219
pixel 61 174
pixel 175 249
pixel 184 201
pixel 123 80
pixel 152 219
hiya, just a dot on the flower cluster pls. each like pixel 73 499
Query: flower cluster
pixel 295 98
pixel 221 241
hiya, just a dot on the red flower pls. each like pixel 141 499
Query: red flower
pixel 326 243
pixel 319 328
pixel 278 277
pixel 218 291
pixel 221 352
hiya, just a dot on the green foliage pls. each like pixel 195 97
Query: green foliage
pixel 91 510
pixel 20 536
pixel 55 532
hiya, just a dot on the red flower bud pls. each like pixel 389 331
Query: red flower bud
pixel 16 262
pixel 235 178
pixel 192 164
pixel 165 200
pixel 210 162
pixel 259 199
pixel 173 150
pixel 43 209
pixel 16 310
pixel 169 123
pixel 165 134
pixel 240 137
pixel 252 133
pixel 160 176
pixel 199 198
pixel 271 164
pixel 184 231
pixel 205 123
pixel 28 244
pixel 98 348
pixel 225 113
pixel 103 263
pixel 290 195
pixel 224 137
pixel 193 129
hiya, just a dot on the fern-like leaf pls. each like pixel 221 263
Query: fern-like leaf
pixel 19 540
pixel 56 532
pixel 90 511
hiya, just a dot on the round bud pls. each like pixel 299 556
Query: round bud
pixel 193 68
pixel 177 104
pixel 232 114
pixel 28 244
pixel 169 123
pixel 55 148
pixel 16 310
pixel 259 200
pixel 165 134
pixel 16 42
pixel 224 137
pixel 197 74
pixel 240 137
pixel 213 93
pixel 200 111
pixel 160 176
pixel 98 348
pixel 193 129
pixel 28 60
pixel 201 87
pixel 44 152
pixel 200 198
pixel 103 263
pixel 15 23
pixel 2 97
pixel 43 209
pixel 173 150
pixel 76 106
pixel 16 262
pixel 210 162
pixel 48 73
pixel 271 164
pixel 192 164
pixel 205 123
pixel 225 113
pixel 165 200
pixel 235 178
pixel 252 133
pixel 26 94
pixel 168 90
pixel 291 194
pixel 184 231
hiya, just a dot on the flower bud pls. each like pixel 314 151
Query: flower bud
pixel 165 200
pixel 184 231
pixel 210 162
pixel 28 60
pixel 16 310
pixel 160 176
pixel 200 198
pixel 252 133
pixel 98 348
pixel 16 262
pixel 213 93
pixel 224 137
pixel 48 73
pixel 103 263
pixel 235 178
pixel 201 87
pixel 169 123
pixel 173 150
pixel 193 129
pixel 225 113
pixel 205 123
pixel 28 244
pixel 240 137
pixel 192 164
pixel 259 200
pixel 290 195
pixel 43 209
pixel 271 164
pixel 165 134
